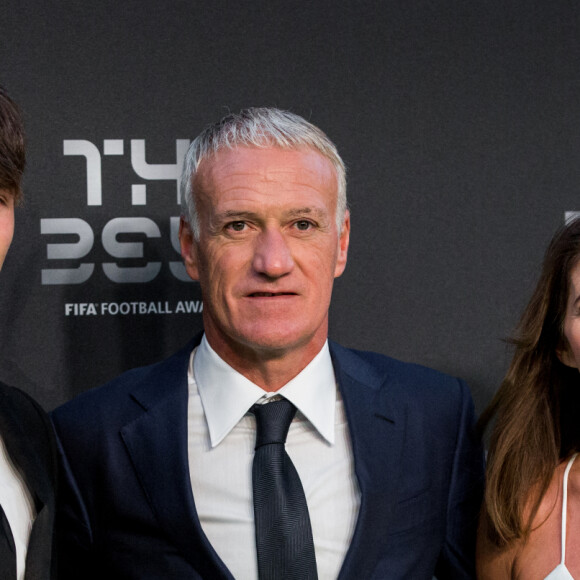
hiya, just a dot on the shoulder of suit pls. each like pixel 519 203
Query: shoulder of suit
pixel 21 400
pixel 101 399
pixel 355 362
pixel 402 387
pixel 18 408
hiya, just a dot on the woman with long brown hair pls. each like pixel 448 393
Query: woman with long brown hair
pixel 531 516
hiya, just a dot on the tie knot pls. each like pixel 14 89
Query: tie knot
pixel 273 421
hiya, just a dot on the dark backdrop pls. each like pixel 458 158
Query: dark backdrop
pixel 459 122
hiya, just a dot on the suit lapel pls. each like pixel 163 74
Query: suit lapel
pixel 377 431
pixel 16 433
pixel 157 444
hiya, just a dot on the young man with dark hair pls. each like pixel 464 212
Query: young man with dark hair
pixel 27 449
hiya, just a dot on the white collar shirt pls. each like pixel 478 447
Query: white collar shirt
pixel 18 506
pixel 221 438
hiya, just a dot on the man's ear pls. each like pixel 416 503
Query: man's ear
pixel 343 242
pixel 566 358
pixel 188 249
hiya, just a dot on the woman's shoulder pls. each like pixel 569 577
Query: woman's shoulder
pixel 573 476
pixel 524 559
pixel 542 551
pixel 551 504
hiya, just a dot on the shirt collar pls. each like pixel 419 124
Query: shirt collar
pixel 226 395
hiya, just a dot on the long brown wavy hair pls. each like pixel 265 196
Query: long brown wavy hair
pixel 536 407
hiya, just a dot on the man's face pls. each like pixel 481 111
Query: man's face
pixel 268 249
pixel 6 222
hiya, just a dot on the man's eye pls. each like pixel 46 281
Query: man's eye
pixel 237 226
pixel 303 225
pixel 6 200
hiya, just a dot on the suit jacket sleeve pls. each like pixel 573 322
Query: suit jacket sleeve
pixel 457 559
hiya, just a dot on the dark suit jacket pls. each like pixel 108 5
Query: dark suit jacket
pixel 29 439
pixel 128 509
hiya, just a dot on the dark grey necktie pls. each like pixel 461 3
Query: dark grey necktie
pixel 283 533
pixel 7 549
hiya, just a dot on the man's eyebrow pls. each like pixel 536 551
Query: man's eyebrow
pixel 235 214
pixel 316 212
pixel 291 213
pixel 7 192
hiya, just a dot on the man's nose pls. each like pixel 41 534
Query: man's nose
pixel 272 256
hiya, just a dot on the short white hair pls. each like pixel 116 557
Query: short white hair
pixel 257 127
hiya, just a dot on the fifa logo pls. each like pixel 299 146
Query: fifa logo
pixel 114 246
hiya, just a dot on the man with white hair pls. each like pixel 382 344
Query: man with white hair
pixel 262 449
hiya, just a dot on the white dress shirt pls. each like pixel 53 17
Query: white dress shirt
pixel 18 506
pixel 221 438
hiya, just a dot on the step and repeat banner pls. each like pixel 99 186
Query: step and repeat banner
pixel 459 123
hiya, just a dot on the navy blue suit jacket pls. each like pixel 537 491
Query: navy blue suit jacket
pixel 128 511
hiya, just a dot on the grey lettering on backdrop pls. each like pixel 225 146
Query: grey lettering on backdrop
pixel 116 227
pixel 118 249
pixel 68 251
pixel 159 171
